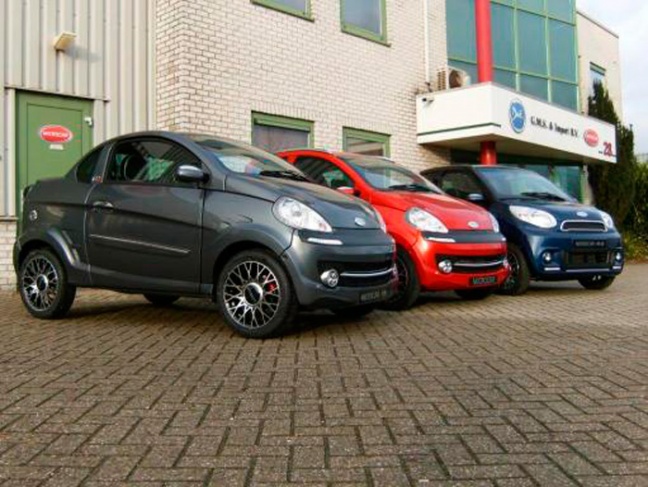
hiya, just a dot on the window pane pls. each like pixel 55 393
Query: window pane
pixel 471 69
pixel 275 139
pixel 503 36
pixel 301 5
pixel 86 169
pixel 368 147
pixel 597 76
pixel 506 78
pixel 569 179
pixel 564 94
pixel 561 9
pixel 536 5
pixel 365 14
pixel 532 43
pixel 462 40
pixel 534 86
pixel 563 50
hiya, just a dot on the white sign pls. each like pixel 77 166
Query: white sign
pixel 491 112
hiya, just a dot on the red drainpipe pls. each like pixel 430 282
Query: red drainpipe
pixel 485 66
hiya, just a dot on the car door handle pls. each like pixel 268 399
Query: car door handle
pixel 102 205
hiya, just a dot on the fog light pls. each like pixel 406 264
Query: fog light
pixel 618 257
pixel 445 266
pixel 330 278
pixel 547 257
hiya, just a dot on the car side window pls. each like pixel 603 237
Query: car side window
pixel 324 172
pixel 459 185
pixel 87 168
pixel 148 161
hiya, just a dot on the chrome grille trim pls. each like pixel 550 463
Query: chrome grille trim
pixel 586 226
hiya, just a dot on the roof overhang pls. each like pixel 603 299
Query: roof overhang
pixel 522 125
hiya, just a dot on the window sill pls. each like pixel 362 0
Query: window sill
pixel 283 9
pixel 366 35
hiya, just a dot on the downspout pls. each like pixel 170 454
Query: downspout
pixel 426 44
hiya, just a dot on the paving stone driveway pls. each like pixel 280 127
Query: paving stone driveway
pixel 547 389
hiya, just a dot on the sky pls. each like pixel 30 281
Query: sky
pixel 629 19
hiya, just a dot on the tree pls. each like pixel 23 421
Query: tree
pixel 613 185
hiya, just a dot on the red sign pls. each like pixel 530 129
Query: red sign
pixel 55 134
pixel 591 138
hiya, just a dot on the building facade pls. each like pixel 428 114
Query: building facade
pixel 337 74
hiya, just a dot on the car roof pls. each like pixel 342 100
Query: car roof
pixel 339 154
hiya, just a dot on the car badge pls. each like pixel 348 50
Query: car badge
pixel 582 214
pixel 473 224
pixel 361 222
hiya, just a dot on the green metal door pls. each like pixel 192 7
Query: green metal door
pixel 53 133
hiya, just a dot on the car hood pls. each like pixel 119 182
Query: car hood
pixel 562 210
pixel 455 214
pixel 340 210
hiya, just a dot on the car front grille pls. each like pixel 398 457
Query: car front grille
pixel 474 264
pixel 361 274
pixel 583 226
pixel 587 260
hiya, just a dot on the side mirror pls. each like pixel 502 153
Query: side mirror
pixel 476 198
pixel 348 190
pixel 190 174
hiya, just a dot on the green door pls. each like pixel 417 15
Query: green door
pixel 53 133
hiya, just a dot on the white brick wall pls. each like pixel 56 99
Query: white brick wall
pixel 7 238
pixel 218 61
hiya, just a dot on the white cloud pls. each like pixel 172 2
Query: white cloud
pixel 629 19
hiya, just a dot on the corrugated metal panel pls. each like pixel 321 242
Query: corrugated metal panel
pixel 111 62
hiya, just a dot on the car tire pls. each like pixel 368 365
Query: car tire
pixel 475 294
pixel 409 286
pixel 255 295
pixel 355 312
pixel 44 287
pixel 161 300
pixel 518 282
pixel 596 283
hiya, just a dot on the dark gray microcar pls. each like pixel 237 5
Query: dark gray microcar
pixel 169 215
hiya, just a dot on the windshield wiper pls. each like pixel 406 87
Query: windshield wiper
pixel 284 174
pixel 544 196
pixel 410 187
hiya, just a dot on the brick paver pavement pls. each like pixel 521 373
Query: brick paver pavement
pixel 546 389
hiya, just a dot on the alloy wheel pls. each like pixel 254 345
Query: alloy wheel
pixel 40 283
pixel 252 294
pixel 512 279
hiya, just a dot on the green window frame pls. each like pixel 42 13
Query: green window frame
pixel 279 121
pixel 358 31
pixel 372 137
pixel 307 13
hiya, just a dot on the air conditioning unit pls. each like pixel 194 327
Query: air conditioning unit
pixel 449 78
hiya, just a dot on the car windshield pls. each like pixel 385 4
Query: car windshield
pixel 509 183
pixel 245 159
pixel 385 175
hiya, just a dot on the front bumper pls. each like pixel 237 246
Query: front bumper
pixel 478 261
pixel 575 255
pixel 364 260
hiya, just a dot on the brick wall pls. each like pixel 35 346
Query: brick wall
pixel 7 238
pixel 218 61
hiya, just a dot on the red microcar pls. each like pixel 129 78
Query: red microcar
pixel 444 244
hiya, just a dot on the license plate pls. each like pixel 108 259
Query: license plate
pixel 590 244
pixel 372 296
pixel 483 281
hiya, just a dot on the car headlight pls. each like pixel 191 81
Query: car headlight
pixel 533 216
pixel 424 221
pixel 496 225
pixel 297 215
pixel 608 220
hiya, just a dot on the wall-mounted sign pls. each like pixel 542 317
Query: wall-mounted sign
pixel 55 134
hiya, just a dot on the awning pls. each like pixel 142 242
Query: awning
pixel 523 125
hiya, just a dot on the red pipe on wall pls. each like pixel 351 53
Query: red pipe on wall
pixel 485 66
